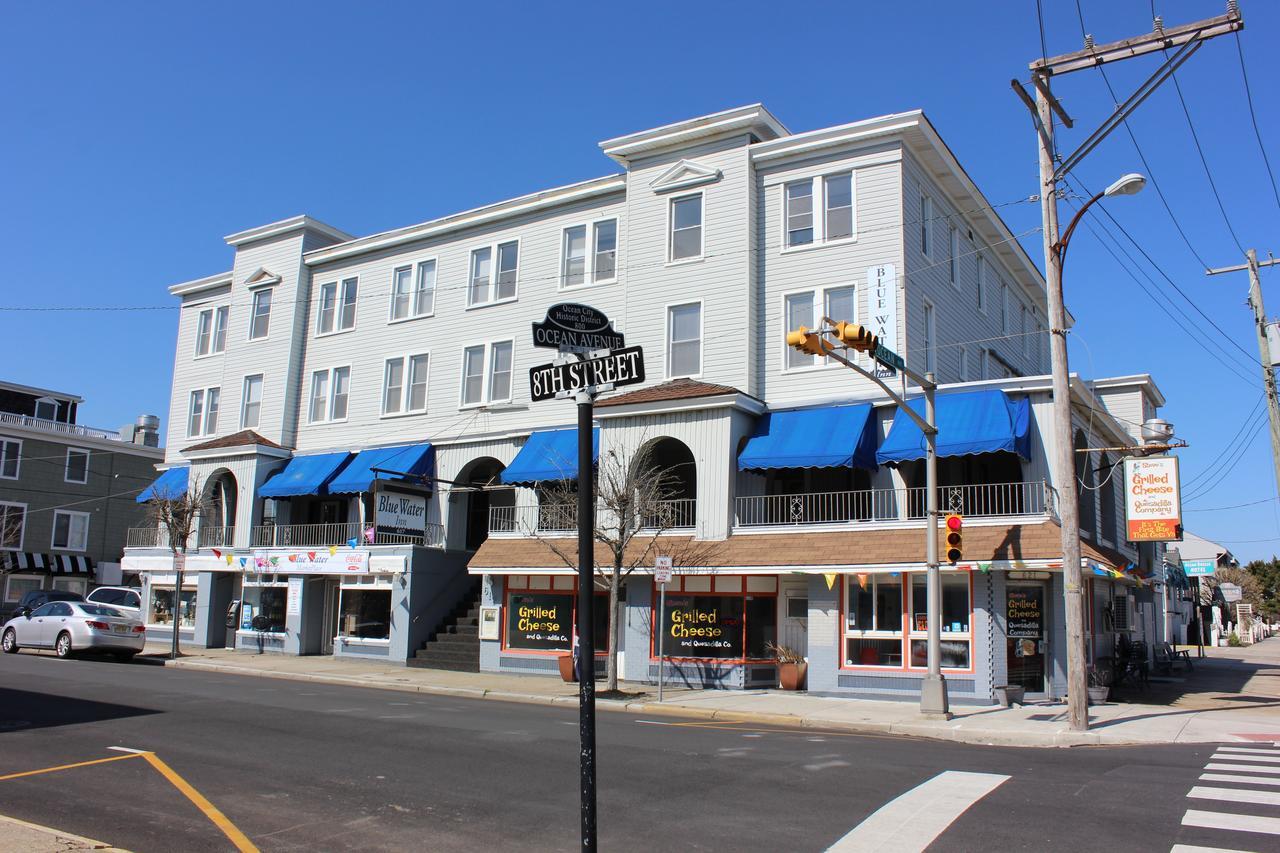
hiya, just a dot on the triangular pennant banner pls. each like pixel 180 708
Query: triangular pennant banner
pixel 830 578
pixel 862 581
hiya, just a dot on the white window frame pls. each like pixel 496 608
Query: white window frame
pixel 46 401
pixel 984 368
pixel 363 583
pixel 492 286
pixel 204 333
pixel 244 399
pixel 71 516
pixel 913 607
pixel 213 339
pixel 330 374
pixel 1022 328
pixel 964 364
pixel 818 194
pixel 9 597
pixel 341 288
pixel 22 529
pixel 702 228
pixel 261 584
pixel 406 385
pixel 1004 307
pixel 849 630
pixel 929 314
pixel 982 283
pixel 821 307
pixel 66 470
pixel 415 290
pixel 926 221
pixel 815 232
pixel 254 312
pixel 204 410
pixel 954 268
pixel 486 389
pixel 5 444
pixel 591 238
pixel 702 318
pixel 221 320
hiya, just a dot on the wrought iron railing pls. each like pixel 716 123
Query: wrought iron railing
pixel 980 500
pixel 216 537
pixel 146 537
pixel 341 533
pixel 677 514
pixel 12 419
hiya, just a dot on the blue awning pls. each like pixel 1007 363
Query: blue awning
pixel 359 475
pixel 968 423
pixel 172 483
pixel 826 437
pixel 305 475
pixel 549 454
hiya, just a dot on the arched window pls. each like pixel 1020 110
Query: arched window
pixel 1107 499
pixel 1084 483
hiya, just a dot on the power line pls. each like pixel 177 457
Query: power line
pixel 1248 420
pixel 1248 94
pixel 1227 469
pixel 1233 506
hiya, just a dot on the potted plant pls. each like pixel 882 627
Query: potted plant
pixel 1099 685
pixel 792 667
pixel 1009 695
pixel 565 661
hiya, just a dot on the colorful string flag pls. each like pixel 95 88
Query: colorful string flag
pixel 830 578
pixel 216 553
pixel 862 581
pixel 353 542
pixel 368 535
pixel 230 559
pixel 333 549
pixel 244 561
pixel 985 568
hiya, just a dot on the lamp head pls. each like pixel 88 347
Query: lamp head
pixel 1130 184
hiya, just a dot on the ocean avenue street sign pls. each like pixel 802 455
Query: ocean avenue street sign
pixel 624 367
pixel 571 327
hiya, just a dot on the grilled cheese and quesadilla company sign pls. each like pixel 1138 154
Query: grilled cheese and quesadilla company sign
pixel 540 622
pixel 572 327
pixel 1152 499
pixel 699 626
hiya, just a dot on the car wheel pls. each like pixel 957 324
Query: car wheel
pixel 124 657
pixel 62 647
pixel 10 642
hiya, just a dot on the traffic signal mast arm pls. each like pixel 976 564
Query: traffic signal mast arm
pixel 851 336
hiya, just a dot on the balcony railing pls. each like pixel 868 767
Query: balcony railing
pixel 12 419
pixel 309 535
pixel 678 514
pixel 147 537
pixel 216 537
pixel 976 501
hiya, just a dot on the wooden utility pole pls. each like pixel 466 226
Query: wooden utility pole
pixel 1187 39
pixel 1264 346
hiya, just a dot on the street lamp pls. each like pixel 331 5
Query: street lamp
pixel 1063 457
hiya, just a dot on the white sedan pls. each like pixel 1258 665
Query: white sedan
pixel 68 627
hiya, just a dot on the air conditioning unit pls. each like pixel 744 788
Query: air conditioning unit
pixel 1125 618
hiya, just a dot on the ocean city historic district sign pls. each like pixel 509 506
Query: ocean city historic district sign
pixel 572 327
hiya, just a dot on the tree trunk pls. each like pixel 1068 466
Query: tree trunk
pixel 612 666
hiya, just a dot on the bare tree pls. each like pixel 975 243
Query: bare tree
pixel 636 506
pixel 178 514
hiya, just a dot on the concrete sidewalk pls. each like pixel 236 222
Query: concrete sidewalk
pixel 18 835
pixel 1232 695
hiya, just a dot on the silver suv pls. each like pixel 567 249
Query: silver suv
pixel 126 599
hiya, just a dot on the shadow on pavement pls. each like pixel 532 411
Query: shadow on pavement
pixel 1215 682
pixel 25 709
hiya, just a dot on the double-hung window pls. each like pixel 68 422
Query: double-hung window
pixel 807 309
pixel 926 226
pixel 77 467
pixel 405 385
pixel 330 390
pixel 818 210
pixel 494 271
pixel 202 412
pixel 684 340
pixel 930 339
pixel 596 263
pixel 1004 308
pixel 13 520
pixel 251 402
pixel 486 373
pixel 211 330
pixel 413 290
pixel 685 241
pixel 982 284
pixel 953 269
pixel 799 313
pixel 10 457
pixel 964 364
pixel 260 321
pixel 70 530
pixel 1022 329
pixel 337 309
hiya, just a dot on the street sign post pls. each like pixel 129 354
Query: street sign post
pixel 661 574
pixel 572 327
pixel 621 367
pixel 889 358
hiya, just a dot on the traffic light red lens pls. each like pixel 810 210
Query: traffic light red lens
pixel 954 522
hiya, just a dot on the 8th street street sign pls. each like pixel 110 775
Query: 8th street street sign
pixel 624 367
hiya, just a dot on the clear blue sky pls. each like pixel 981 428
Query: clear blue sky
pixel 137 134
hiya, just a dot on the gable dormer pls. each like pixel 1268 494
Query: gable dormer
pixel 261 277
pixel 684 174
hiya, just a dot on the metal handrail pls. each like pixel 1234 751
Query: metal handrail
pixel 678 514
pixel 14 419
pixel 339 533
pixel 991 500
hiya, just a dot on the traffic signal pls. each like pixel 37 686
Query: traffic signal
pixel 955 538
pixel 857 337
pixel 807 341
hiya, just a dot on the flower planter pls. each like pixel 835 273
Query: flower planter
pixel 566 668
pixel 1098 695
pixel 792 675
pixel 1010 695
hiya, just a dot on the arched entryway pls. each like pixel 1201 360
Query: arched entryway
pixel 672 483
pixel 477 478
pixel 218 513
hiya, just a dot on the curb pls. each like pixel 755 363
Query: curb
pixel 951 733
pixel 57 836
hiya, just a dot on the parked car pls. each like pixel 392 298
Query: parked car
pixel 68 627
pixel 36 597
pixel 126 599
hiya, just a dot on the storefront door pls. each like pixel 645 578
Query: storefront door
pixel 793 600
pixel 331 603
pixel 1026 643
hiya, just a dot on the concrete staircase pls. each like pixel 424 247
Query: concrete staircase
pixel 455 645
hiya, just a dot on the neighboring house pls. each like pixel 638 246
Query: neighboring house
pixel 66 492
pixel 1197 550
pixel 324 371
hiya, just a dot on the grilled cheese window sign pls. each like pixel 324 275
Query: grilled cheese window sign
pixel 540 622
pixel 1152 499
pixel 703 626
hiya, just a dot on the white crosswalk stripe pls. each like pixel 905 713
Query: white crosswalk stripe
pixel 1247 776
pixel 915 819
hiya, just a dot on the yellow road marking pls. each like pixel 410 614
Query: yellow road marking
pixel 66 767
pixel 238 838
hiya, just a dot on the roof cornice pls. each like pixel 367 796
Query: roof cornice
pixel 754 118
pixel 470 218
pixel 285 226
pixel 209 282
pixel 738 400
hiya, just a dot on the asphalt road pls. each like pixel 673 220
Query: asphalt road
pixel 300 766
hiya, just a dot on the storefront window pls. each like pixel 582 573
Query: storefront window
pixel 956 612
pixel 873 621
pixel 18 587
pixel 160 611
pixel 875 632
pixel 71 584
pixel 542 614
pixel 269 602
pixel 718 618
pixel 365 613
